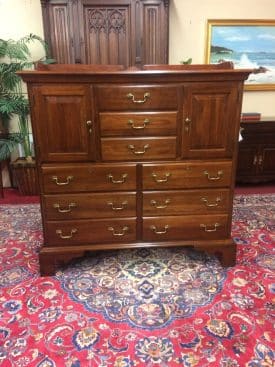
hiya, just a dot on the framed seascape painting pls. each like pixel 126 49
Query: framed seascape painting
pixel 249 44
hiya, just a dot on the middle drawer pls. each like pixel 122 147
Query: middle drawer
pixel 138 123
pixel 181 202
pixel 64 178
pixel 90 205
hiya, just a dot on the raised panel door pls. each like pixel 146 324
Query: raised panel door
pixel 266 160
pixel 247 160
pixel 210 120
pixel 60 29
pixel 63 121
pixel 153 18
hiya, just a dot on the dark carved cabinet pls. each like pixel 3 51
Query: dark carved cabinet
pixel 256 160
pixel 125 32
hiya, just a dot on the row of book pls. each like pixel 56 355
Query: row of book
pixel 250 116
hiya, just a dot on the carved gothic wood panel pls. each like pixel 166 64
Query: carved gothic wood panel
pixel 105 36
pixel 127 32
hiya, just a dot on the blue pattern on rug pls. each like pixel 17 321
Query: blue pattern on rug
pixel 136 286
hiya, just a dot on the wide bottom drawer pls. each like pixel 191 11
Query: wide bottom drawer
pixel 188 227
pixel 66 233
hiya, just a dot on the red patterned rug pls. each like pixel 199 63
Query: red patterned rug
pixel 143 307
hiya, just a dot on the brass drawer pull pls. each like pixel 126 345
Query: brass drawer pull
pixel 209 205
pixel 133 126
pixel 160 206
pixel 65 237
pixel 68 180
pixel 215 178
pixel 64 210
pixel 123 178
pixel 159 180
pixel 132 97
pixel 138 152
pixel 122 233
pixel 116 207
pixel 154 229
pixel 255 160
pixel 213 229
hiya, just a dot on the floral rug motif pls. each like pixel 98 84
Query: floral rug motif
pixel 147 288
pixel 139 308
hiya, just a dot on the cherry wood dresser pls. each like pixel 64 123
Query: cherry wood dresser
pixel 135 158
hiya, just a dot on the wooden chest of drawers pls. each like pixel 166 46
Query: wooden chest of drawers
pixel 135 158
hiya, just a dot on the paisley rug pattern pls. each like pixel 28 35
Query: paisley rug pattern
pixel 142 308
pixel 146 288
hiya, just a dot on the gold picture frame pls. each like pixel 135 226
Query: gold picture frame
pixel 248 44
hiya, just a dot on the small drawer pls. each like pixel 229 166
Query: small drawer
pixel 187 175
pixel 90 205
pixel 136 97
pixel 184 202
pixel 136 149
pixel 138 124
pixel 78 232
pixel 88 177
pixel 189 227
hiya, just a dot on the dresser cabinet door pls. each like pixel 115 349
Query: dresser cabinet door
pixel 63 121
pixel 248 159
pixel 210 120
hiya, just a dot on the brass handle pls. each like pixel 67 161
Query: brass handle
pixel 213 229
pixel 187 123
pixel 89 124
pixel 214 178
pixel 123 178
pixel 154 229
pixel 133 126
pixel 160 206
pixel 63 210
pixel 159 180
pixel 122 233
pixel 65 237
pixel 209 205
pixel 116 207
pixel 132 97
pixel 68 180
pixel 255 160
pixel 260 160
pixel 138 152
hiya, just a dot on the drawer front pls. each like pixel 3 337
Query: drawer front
pixel 186 175
pixel 85 177
pixel 137 124
pixel 212 201
pixel 90 205
pixel 77 232
pixel 136 97
pixel 189 227
pixel 118 149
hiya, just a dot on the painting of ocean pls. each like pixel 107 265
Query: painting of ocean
pixel 251 60
pixel 247 46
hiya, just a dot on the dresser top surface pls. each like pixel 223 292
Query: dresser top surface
pixel 114 73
